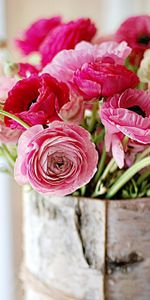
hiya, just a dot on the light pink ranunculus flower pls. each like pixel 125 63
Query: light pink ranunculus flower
pixel 129 114
pixel 6 84
pixel 57 160
pixel 67 62
pixel 8 135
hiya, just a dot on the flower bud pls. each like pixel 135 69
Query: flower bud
pixel 11 69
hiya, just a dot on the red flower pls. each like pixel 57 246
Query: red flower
pixel 36 100
pixel 136 32
pixel 33 36
pixel 66 36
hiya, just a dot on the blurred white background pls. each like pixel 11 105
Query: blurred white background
pixel 14 16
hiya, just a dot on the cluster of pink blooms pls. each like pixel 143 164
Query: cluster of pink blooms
pixel 56 154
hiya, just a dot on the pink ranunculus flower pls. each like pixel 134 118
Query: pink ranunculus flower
pixel 68 63
pixel 136 31
pixel 127 114
pixel 103 79
pixel 65 63
pixel 36 100
pixel 57 160
pixel 35 34
pixel 66 36
pixel 8 135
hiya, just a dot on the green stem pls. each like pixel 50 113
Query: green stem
pixel 127 176
pixel 143 177
pixel 13 117
pixel 101 165
pixel 83 190
pixel 103 177
pixel 93 117
pixel 114 168
pixel 146 152
pixel 108 168
pixel 8 155
pixel 98 138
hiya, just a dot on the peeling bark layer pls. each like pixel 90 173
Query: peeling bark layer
pixel 86 249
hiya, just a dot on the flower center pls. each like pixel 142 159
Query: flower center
pixel 58 163
pixel 137 109
pixel 32 102
pixel 144 39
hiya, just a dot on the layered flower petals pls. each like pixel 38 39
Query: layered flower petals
pixel 36 100
pixel 67 62
pixel 92 71
pixel 103 79
pixel 33 36
pixel 128 113
pixel 57 160
pixel 66 36
pixel 136 31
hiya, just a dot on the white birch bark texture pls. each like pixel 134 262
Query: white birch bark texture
pixel 86 249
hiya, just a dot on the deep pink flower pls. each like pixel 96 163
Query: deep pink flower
pixel 26 69
pixel 127 114
pixel 57 160
pixel 36 100
pixel 34 35
pixel 68 63
pixel 66 36
pixel 102 79
pixel 136 31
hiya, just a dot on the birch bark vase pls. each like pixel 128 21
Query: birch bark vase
pixel 86 249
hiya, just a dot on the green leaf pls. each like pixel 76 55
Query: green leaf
pixel 127 176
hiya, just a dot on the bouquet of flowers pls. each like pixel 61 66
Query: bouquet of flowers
pixel 75 113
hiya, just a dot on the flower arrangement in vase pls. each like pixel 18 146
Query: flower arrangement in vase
pixel 75 120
